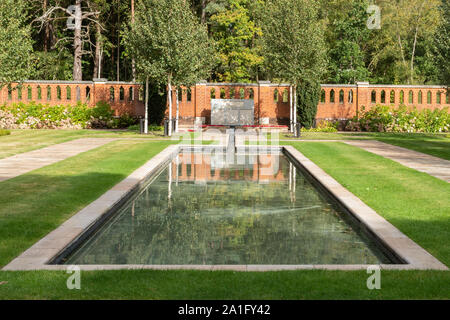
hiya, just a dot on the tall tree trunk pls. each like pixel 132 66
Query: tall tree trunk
pixel 413 56
pixel 170 104
pixel 204 2
pixel 47 30
pixel 133 61
pixel 146 107
pixel 98 52
pixel 78 43
pixel 118 40
pixel 178 110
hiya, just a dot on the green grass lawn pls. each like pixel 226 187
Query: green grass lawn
pixel 36 203
pixel 4 132
pixel 415 202
pixel 27 140
pixel 437 145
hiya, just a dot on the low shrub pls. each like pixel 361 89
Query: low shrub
pixel 39 116
pixel 402 119
pixel 4 132
pixel 323 126
pixel 151 128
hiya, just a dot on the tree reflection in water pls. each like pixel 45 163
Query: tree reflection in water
pixel 203 211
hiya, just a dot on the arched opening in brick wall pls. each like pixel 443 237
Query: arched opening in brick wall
pixel 213 93
pixel 373 96
pixel 411 97
pixel 402 97
pixel 350 96
pixel 19 92
pixel 111 94
pixel 189 95
pixel 322 96
pixel 49 93
pixel 29 93
pixel 429 97
pixel 420 97
pixel 341 96
pixel 10 90
pixel 241 93
pixel 88 94
pixel 58 93
pixel 232 93
pixel 121 94
pixel 251 94
pixel 131 94
pixel 78 93
pixel 39 93
pixel 392 97
pixel 438 97
pixel 275 95
pixel 332 96
pixel 383 96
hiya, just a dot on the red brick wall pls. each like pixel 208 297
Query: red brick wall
pixel 117 94
pixel 199 105
pixel 266 106
pixel 368 96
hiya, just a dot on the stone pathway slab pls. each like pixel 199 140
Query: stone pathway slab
pixel 25 162
pixel 437 167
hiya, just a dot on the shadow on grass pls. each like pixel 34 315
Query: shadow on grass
pixel 33 205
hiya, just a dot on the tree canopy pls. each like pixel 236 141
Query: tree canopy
pixel 16 45
pixel 410 47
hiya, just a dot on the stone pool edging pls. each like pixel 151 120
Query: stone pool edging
pixel 43 252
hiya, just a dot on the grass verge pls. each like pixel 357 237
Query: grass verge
pixel 35 203
pixel 415 202
pixel 21 141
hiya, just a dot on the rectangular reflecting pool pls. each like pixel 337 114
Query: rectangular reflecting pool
pixel 208 209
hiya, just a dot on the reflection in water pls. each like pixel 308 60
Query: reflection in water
pixel 202 209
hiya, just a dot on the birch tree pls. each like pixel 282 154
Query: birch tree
pixel 80 15
pixel 294 49
pixel 169 45
pixel 405 24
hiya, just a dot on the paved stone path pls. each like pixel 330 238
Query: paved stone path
pixel 25 162
pixel 434 166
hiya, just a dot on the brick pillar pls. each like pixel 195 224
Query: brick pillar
pixel 200 104
pixel 100 91
pixel 362 96
pixel 264 99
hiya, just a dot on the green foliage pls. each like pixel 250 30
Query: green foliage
pixel 168 43
pixel 442 45
pixel 292 42
pixel 53 65
pixel 347 34
pixel 323 126
pixel 308 94
pixel 151 128
pixel 16 45
pixel 4 132
pixel 235 31
pixel 402 119
pixel 39 116
pixel 407 25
